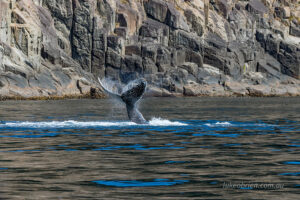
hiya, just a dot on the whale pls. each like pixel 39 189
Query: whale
pixel 130 95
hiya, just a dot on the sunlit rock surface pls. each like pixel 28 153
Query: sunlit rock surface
pixel 58 48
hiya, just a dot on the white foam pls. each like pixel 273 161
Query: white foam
pixel 164 122
pixel 228 124
pixel 218 124
pixel 88 124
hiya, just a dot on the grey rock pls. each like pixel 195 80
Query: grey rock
pixel 175 19
pixel 112 73
pixel 99 40
pixel 132 64
pixel 113 59
pixel 149 66
pixel 81 37
pixel 256 7
pixel 269 66
pixel 154 32
pixel 259 90
pixel 42 80
pixel 295 30
pixel 156 9
pixel 121 32
pixel 126 77
pixel 116 43
pixel 209 75
pixel 51 54
pixel 194 22
pixel 272 45
pixel 150 51
pixel 179 75
pixel 107 14
pixel 61 78
pixel 289 57
pixel 182 38
pixel 222 7
pixel 1 55
pixel 282 12
pixel 16 80
pixel 134 49
pixel 179 56
pixel 194 57
pixel 163 56
pixel 192 68
pixel 61 10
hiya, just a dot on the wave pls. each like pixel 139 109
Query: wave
pixel 87 124
pixel 237 124
pixel 164 122
pixel 218 124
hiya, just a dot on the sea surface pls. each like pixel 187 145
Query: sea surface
pixel 192 148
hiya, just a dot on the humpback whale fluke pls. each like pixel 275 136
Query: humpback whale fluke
pixel 130 95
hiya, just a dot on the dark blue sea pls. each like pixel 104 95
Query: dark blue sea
pixel 192 148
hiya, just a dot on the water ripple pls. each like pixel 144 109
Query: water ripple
pixel 134 183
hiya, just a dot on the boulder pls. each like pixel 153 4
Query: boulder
pixel 259 90
pixel 153 91
pixel 209 75
pixel 194 89
pixel 236 88
pixel 192 68
pixel 179 75
pixel 194 57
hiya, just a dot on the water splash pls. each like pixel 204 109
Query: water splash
pixel 87 124
pixel 164 122
pixel 112 85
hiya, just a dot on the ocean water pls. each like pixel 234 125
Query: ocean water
pixel 192 148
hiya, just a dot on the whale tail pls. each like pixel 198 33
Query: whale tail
pixel 130 95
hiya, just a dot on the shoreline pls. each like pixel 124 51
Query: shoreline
pixel 172 95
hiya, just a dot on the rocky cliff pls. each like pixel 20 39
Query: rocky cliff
pixel 181 47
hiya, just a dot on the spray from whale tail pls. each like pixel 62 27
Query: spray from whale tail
pixel 130 95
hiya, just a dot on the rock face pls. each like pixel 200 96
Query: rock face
pixel 59 48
